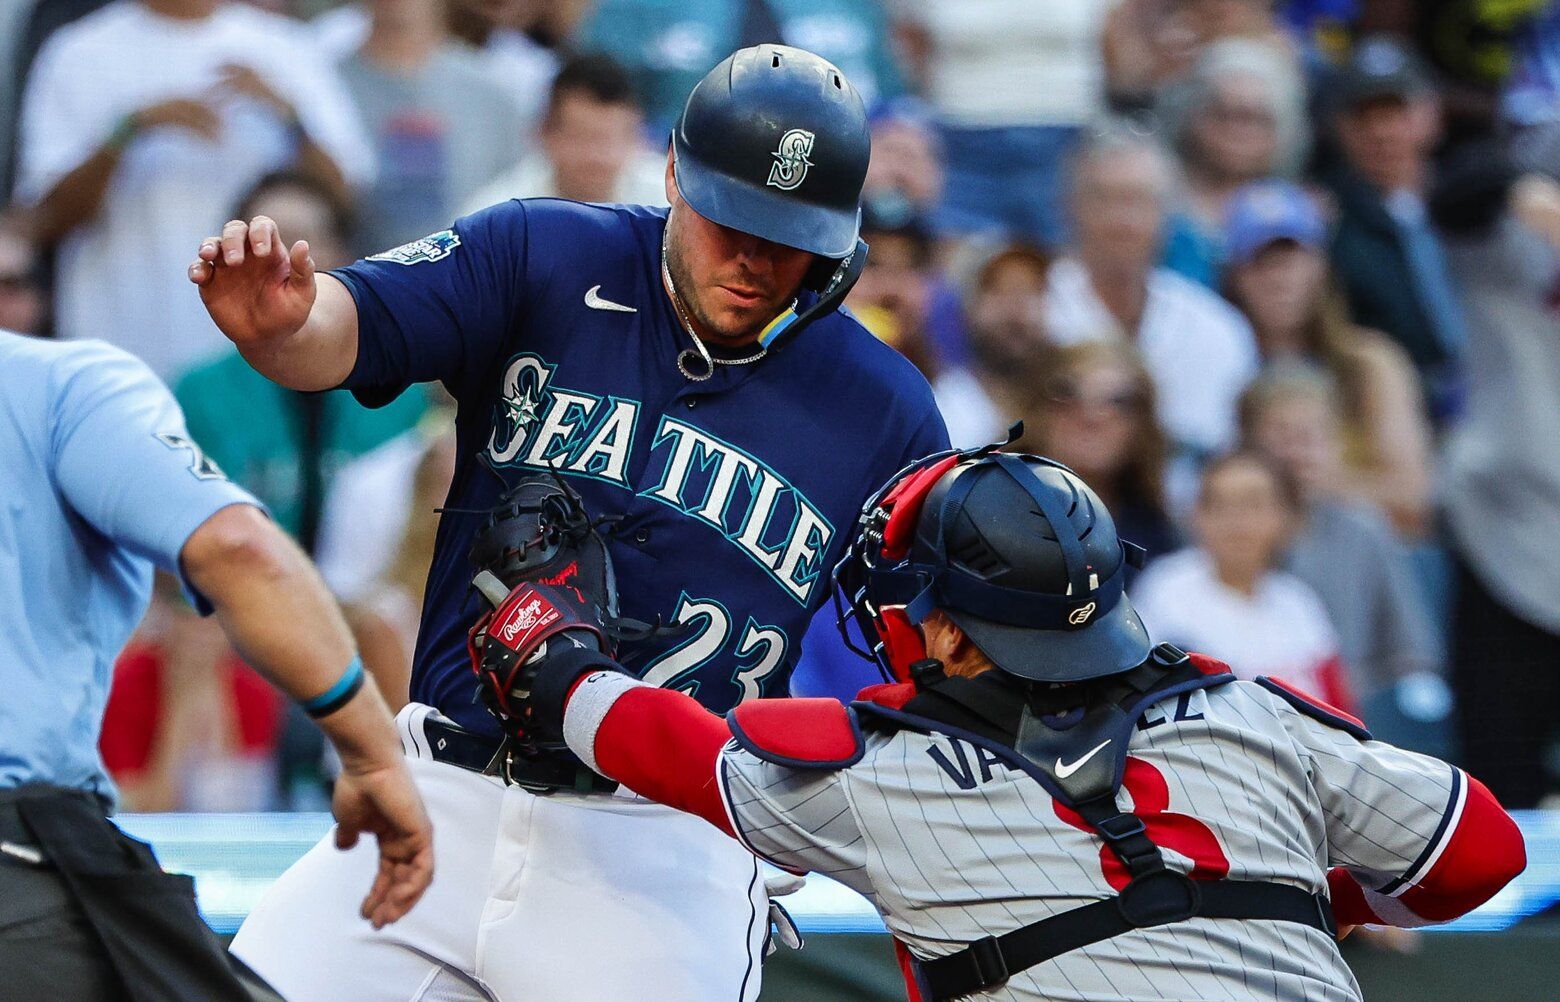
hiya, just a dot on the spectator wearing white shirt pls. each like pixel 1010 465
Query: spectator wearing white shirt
pixel 1227 595
pixel 142 124
pixel 1013 82
pixel 371 499
pixel 1198 347
pixel 592 144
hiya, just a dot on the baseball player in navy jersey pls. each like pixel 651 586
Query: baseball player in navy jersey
pixel 1042 804
pixel 687 372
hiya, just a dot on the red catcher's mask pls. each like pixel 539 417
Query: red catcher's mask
pixel 889 520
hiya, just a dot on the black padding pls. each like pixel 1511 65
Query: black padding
pixel 565 664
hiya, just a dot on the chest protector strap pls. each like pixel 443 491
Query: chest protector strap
pixel 1080 757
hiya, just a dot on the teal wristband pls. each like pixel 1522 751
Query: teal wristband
pixel 336 696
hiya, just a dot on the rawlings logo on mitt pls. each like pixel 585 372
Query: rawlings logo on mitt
pixel 509 645
pixel 545 569
pixel 526 611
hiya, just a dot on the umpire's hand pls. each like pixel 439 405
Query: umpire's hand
pixel 381 800
pixel 281 618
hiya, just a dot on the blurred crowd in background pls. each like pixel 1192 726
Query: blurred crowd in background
pixel 1280 280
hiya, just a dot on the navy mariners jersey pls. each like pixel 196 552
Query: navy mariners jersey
pixel 548 322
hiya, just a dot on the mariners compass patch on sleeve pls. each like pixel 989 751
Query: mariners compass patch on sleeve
pixel 433 247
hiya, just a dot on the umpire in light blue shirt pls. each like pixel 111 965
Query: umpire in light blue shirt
pixel 99 487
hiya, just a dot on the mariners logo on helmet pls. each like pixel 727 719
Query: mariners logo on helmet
pixel 791 163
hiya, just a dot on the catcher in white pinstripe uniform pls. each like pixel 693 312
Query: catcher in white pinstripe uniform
pixel 1041 803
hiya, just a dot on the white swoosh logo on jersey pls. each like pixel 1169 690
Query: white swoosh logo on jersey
pixel 1063 770
pixel 595 302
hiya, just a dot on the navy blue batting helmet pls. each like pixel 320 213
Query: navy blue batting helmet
pixel 774 142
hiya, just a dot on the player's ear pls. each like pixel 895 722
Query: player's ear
pixel 941 636
pixel 963 648
pixel 671 177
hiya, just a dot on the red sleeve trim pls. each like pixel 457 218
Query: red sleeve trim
pixel 1484 853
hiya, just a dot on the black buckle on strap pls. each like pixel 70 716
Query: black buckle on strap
pixel 1120 826
pixel 990 965
pixel 1127 836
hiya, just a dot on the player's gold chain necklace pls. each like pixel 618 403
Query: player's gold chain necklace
pixel 698 351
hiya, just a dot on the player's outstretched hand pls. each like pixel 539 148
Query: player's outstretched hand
pixel 257 289
pixel 383 802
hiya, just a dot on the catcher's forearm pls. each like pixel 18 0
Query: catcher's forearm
pixel 657 742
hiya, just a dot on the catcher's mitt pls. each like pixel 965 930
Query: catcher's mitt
pixel 545 569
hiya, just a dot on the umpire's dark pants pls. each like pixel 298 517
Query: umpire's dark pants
pixel 48 949
pixel 87 915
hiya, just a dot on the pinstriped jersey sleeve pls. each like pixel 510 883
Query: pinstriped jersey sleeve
pixel 800 819
pixel 1388 811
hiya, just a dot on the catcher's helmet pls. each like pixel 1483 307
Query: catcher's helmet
pixel 774 142
pixel 1019 553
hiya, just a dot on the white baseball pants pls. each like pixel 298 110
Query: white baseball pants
pixel 561 898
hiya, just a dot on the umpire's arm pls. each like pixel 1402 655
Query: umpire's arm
pixel 279 615
pixel 122 461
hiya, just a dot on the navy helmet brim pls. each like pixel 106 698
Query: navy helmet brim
pixel 1115 642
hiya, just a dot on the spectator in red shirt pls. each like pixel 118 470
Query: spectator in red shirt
pixel 189 726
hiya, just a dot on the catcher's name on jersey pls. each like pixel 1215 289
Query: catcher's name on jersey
pixel 952 837
pixel 730 497
pixel 952 844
